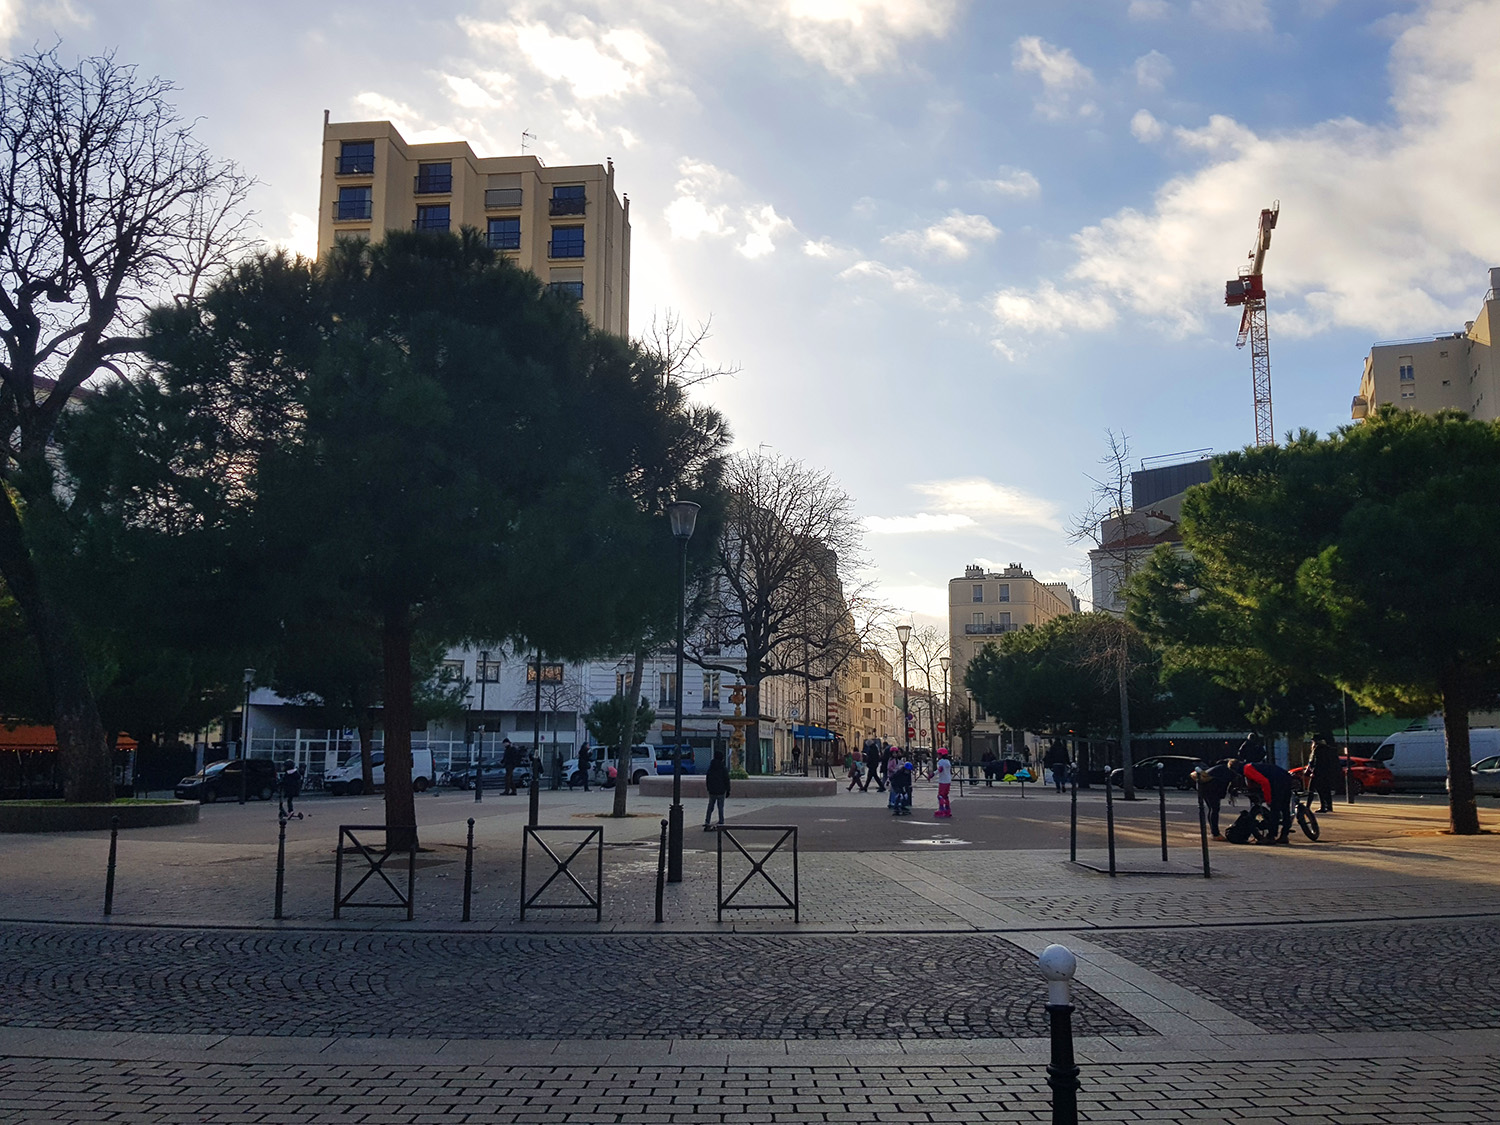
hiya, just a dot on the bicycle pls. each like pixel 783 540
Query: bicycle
pixel 1263 829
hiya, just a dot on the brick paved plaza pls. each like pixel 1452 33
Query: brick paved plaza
pixel 1352 980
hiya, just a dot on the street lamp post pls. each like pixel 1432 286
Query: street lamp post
pixel 484 675
pixel 684 515
pixel 944 663
pixel 903 634
pixel 245 738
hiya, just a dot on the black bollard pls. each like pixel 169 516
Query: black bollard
pixel 1161 795
pixel 661 871
pixel 109 878
pixel 1109 819
pixel 1203 829
pixel 1058 965
pixel 280 860
pixel 535 790
pixel 1073 825
pixel 469 869
pixel 479 776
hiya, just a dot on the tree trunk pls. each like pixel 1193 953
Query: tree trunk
pixel 627 734
pixel 1463 816
pixel 400 809
pixel 366 730
pixel 83 751
pixel 1127 763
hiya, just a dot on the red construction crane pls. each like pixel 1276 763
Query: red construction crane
pixel 1249 290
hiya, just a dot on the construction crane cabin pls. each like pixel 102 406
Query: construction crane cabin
pixel 1249 290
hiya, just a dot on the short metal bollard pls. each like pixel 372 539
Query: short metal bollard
pixel 533 792
pixel 1058 965
pixel 1073 823
pixel 1161 794
pixel 661 871
pixel 1109 819
pixel 469 869
pixel 280 859
pixel 109 877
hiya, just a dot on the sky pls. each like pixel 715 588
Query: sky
pixel 949 244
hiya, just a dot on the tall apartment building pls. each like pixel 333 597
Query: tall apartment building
pixel 983 605
pixel 1458 370
pixel 564 224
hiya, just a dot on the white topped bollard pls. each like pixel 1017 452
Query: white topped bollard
pixel 1058 964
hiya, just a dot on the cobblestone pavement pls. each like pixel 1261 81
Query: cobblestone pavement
pixel 1349 1092
pixel 1423 976
pixel 559 986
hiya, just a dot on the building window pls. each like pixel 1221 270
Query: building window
pixel 432 218
pixel 487 670
pixel 869 697
pixel 434 179
pixel 667 696
pixel 1409 392
pixel 1002 618
pixel 572 289
pixel 867 712
pixel 454 668
pixel 978 593
pixel 864 681
pixel 711 691
pixel 978 711
pixel 352 205
pixel 1408 369
pixel 505 234
pixel 1003 592
pixel 356 158
pixel 567 242
pixel 502 197
pixel 567 199
pixel 979 619
pixel 622 683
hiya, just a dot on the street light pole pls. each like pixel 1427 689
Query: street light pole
pixel 484 675
pixel 944 663
pixel 903 633
pixel 684 515
pixel 245 738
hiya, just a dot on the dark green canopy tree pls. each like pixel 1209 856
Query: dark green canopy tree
pixel 417 430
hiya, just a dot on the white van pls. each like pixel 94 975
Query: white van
pixel 349 777
pixel 642 764
pixel 1419 758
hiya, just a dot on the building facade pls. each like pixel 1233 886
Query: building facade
pixel 982 606
pixel 565 224
pixel 1127 539
pixel 1457 371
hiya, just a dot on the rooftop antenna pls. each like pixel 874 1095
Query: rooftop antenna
pixel 526 135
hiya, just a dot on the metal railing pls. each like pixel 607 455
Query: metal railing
pixel 991 627
pixel 502 197
pixel 566 206
pixel 505 240
pixel 375 864
pixel 352 210
pixel 561 866
pixel 792 902
pixel 356 165
pixel 571 248
pixel 425 223
pixel 433 185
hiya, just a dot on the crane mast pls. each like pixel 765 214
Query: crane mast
pixel 1248 290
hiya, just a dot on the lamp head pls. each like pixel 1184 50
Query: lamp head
pixel 944 663
pixel 249 676
pixel 903 634
pixel 684 517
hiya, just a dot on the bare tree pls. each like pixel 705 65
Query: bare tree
pixel 680 350
pixel 1107 523
pixel 107 204
pixel 925 651
pixel 785 592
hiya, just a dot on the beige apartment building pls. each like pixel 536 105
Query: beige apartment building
pixel 983 606
pixel 872 693
pixel 1458 370
pixel 565 224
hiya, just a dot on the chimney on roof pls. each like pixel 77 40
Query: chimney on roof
pixel 1494 278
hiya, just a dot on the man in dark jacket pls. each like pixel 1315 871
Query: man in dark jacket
pixel 717 780
pixel 291 784
pixel 1324 772
pixel 1213 785
pixel 585 760
pixel 872 766
pixel 1268 782
pixel 509 758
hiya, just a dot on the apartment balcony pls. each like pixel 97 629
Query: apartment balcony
pixel 505 240
pixel 499 198
pixel 990 629
pixel 567 206
pixel 430 223
pixel 433 185
pixel 570 248
pixel 355 166
pixel 352 210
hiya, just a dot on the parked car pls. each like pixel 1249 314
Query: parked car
pixel 643 764
pixel 664 757
pixel 1177 772
pixel 1419 758
pixel 220 781
pixel 491 774
pixel 349 777
pixel 1365 775
pixel 1487 776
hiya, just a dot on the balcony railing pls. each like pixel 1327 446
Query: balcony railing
pixel 505 240
pixel 568 249
pixel 433 185
pixel 990 628
pixel 429 223
pixel 356 165
pixel 566 206
pixel 572 289
pixel 502 197
pixel 352 210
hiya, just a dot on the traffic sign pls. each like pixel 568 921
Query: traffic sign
pixel 911 732
pixel 942 727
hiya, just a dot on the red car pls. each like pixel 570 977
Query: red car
pixel 1365 774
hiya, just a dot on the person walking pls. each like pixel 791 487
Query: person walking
pixel 585 760
pixel 1213 785
pixel 854 777
pixel 717 782
pixel 872 766
pixel 291 785
pixel 1324 772
pixel 1057 762
pixel 508 756
pixel 944 773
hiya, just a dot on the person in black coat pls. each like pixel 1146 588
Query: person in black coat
pixel 291 784
pixel 872 766
pixel 717 781
pixel 1324 771
pixel 1213 785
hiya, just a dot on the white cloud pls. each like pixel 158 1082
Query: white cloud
pixel 415 126
pixel 1144 127
pixel 922 523
pixel 985 501
pixel 1014 182
pixel 1062 77
pixel 301 237
pixel 594 62
pixel 466 93
pixel 765 227
pixel 822 248
pixel 53 16
pixel 950 237
pixel 1234 15
pixel 902 280
pixel 1152 70
pixel 707 205
pixel 919 600
pixel 1385 228
pixel 1149 9
pixel 852 37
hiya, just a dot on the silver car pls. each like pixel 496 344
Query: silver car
pixel 1487 776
